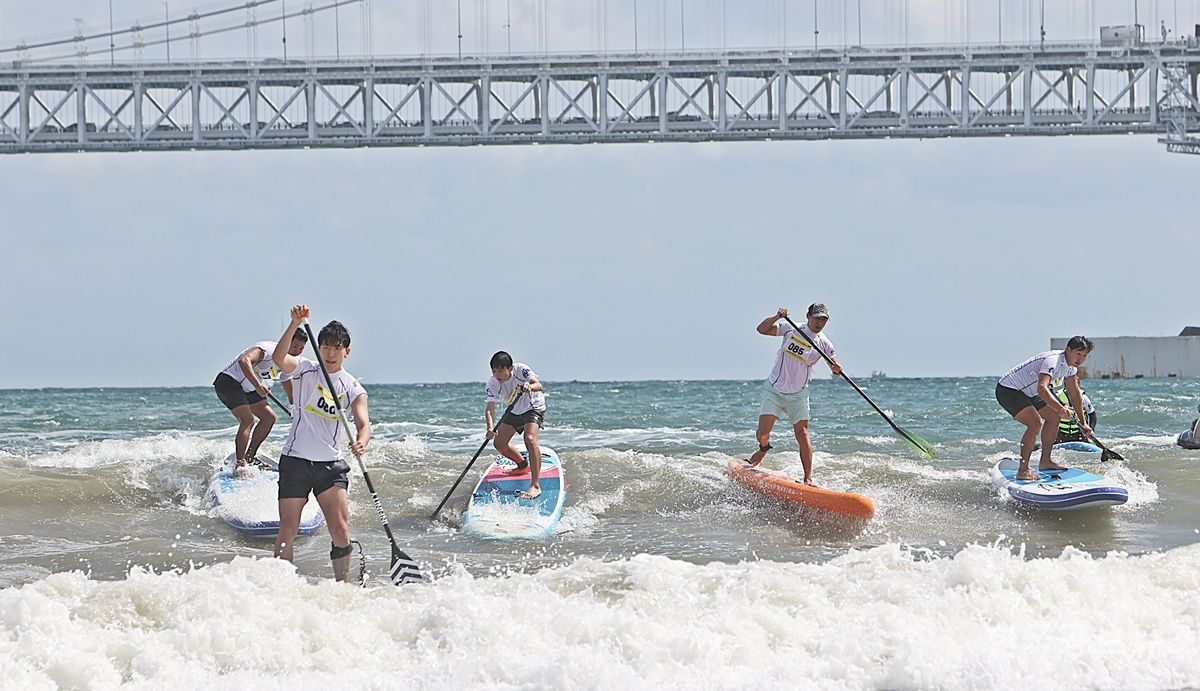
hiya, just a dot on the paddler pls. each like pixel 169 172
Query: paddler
pixel 243 387
pixel 516 382
pixel 1024 392
pixel 785 392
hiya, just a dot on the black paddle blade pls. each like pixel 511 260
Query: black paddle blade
pixel 1106 454
pixel 404 569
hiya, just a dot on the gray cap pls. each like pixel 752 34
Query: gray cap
pixel 818 309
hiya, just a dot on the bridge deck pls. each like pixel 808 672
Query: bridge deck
pixel 730 96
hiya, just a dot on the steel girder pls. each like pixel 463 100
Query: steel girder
pixel 582 99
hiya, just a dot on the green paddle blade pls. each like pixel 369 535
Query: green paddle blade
pixel 924 447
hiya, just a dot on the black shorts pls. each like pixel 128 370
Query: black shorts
pixel 1015 401
pixel 518 422
pixel 231 394
pixel 297 477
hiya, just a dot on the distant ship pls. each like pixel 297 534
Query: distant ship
pixel 878 374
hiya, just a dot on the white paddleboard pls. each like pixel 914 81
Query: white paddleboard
pixel 1058 490
pixel 249 500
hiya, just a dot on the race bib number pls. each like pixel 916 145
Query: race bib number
pixel 798 346
pixel 324 406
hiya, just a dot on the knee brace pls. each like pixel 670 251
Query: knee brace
pixel 336 552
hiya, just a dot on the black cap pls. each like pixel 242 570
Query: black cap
pixel 818 309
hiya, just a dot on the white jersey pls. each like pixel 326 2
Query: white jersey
pixel 502 392
pixel 1024 377
pixel 796 357
pixel 265 369
pixel 315 424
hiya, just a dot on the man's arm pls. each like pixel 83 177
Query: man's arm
pixel 284 360
pixel 834 365
pixel 247 362
pixel 1043 389
pixel 362 421
pixel 767 326
pixel 489 417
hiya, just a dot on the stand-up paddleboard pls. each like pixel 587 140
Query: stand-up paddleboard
pixel 497 511
pixel 781 486
pixel 1058 490
pixel 1080 446
pixel 250 501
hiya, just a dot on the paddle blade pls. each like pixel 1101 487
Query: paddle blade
pixel 404 569
pixel 923 447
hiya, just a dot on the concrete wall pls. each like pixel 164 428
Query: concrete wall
pixel 1137 356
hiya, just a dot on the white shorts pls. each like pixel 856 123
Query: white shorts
pixel 790 406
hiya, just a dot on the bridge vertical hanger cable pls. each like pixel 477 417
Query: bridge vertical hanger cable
pixel 635 26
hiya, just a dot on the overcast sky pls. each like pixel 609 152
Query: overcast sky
pixel 650 261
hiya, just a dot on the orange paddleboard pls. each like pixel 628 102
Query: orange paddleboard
pixel 779 485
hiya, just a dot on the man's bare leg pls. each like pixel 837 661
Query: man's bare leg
pixel 763 434
pixel 535 460
pixel 806 452
pixel 335 504
pixel 266 420
pixel 289 525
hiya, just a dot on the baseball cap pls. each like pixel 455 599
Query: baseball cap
pixel 818 309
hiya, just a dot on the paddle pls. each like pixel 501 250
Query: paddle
pixel 404 569
pixel 918 443
pixel 472 462
pixel 1105 452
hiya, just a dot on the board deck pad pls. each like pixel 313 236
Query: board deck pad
pixel 496 509
pixel 1058 490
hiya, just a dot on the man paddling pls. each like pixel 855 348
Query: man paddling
pixel 241 387
pixel 1024 392
pixel 786 389
pixel 312 458
pixel 516 381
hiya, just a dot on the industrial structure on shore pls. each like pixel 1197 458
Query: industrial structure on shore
pixel 1134 357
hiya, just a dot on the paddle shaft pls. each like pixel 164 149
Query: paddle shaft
pixel 472 462
pixel 862 393
pixel 397 553
pixel 278 403
pixel 1107 453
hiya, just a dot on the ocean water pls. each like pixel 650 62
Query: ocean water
pixel 662 572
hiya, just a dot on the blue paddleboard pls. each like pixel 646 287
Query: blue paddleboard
pixel 497 511
pixel 249 501
pixel 1058 490
pixel 1082 446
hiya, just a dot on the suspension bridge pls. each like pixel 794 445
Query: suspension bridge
pixel 59 95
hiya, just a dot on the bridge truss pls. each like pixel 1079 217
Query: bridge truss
pixel 733 96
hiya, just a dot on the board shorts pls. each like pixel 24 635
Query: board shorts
pixel 231 394
pixel 518 422
pixel 1015 401
pixel 298 477
pixel 790 406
